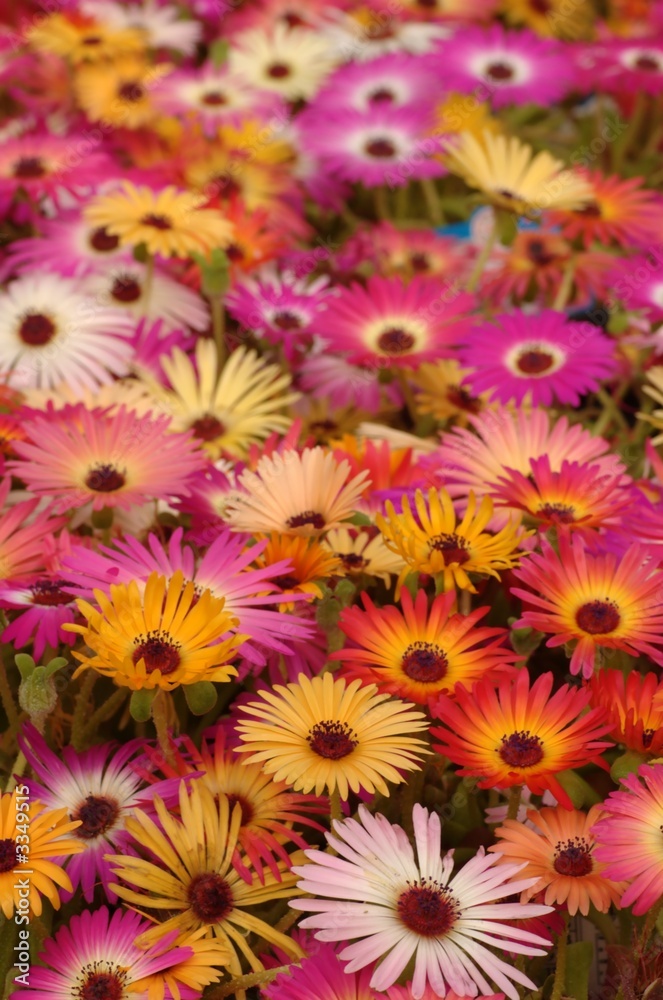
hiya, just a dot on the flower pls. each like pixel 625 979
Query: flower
pixel 396 79
pixel 22 535
pixel 519 734
pixel 361 552
pixel 114 460
pixel 82 39
pixel 166 637
pixel 37 838
pixel 51 332
pixel 420 653
pixel 67 246
pixel 620 211
pixel 634 706
pixel 160 25
pixel 598 601
pixel 310 564
pixel 431 540
pixel 628 837
pixel 96 955
pixel 321 976
pixel 402 908
pixel 45 608
pixel 322 733
pixel 559 852
pixel 513 177
pixel 554 18
pixel 189 871
pixel 169 222
pixel 541 357
pixel 213 96
pixel 119 93
pixel 42 165
pixel 439 391
pixel 281 308
pixel 292 62
pixel 296 494
pixel 396 323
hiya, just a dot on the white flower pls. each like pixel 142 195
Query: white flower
pixel 292 62
pixel 124 287
pixel 161 24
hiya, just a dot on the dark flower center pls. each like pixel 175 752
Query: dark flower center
pixel 8 855
pixel 158 651
pixel 541 6
pixel 48 593
pixel 573 858
pixel 287 582
pixel 156 221
pixel 332 740
pixel 293 20
pixel 539 254
pixel 648 737
pixel 126 289
pixel 210 897
pixel 227 186
pixel 214 98
pixel 395 340
pixel 105 479
pixel 312 517
pixel 379 32
pixel 381 149
pixel 534 362
pixel 235 253
pixel 92 40
pixel 287 321
pixel 591 210
pixel 279 70
pixel 499 71
pixel 97 814
pixel 598 617
pixel 454 549
pixel 101 986
pixel 103 241
pixel 650 64
pixel 208 428
pixel 381 96
pixel 424 662
pixel 561 513
pixel 29 167
pixel 352 561
pixel 419 262
pixel 521 749
pixel 427 909
pixel 247 809
pixel 131 91
pixel 459 396
pixel 36 329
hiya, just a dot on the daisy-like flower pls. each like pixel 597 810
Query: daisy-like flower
pixel 51 332
pixel 194 878
pixel 515 67
pixel 98 788
pixel 420 654
pixel 45 608
pixel 309 564
pixel 160 25
pixel 628 837
pixel 119 93
pixel 629 65
pixel 405 993
pixel 95 955
pixel 68 246
pixel 389 322
pixel 160 639
pixel 323 734
pixel 43 165
pixel 333 376
pixel 541 357
pixel 108 460
pixel 439 391
pixel 125 286
pixel 169 222
pixel 364 34
pixel 213 96
pixel 513 177
pixel 432 540
pixel 321 976
pixel 397 79
pixel 653 387
pixel 229 408
pixel 599 602
pixel 402 907
pixel 35 839
pixel 296 494
pixel 362 552
pixel 519 734
pixel 620 211
pixel 559 854
pixel 82 39
pixel 554 18
pixel 635 708
pixel 22 536
pixel 281 308
pixel 291 62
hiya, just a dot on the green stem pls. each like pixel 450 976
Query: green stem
pixel 245 982
pixel 80 710
pixel 402 199
pixel 483 257
pixel 610 406
pixel 432 199
pixel 565 285
pixel 218 328
pixel 464 602
pixel 514 802
pixel 17 771
pixel 335 811
pixel 604 925
pixel 8 703
pixel 381 203
pixel 560 967
pixel 161 725
pixel 107 710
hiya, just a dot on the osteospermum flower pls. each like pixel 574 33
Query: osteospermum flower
pixel 628 837
pixel 600 602
pixel 393 323
pixel 403 907
pixel 541 357
pixel 33 839
pixel 52 332
pixel 160 639
pixel 396 79
pixel 107 460
pixel 433 540
pixel 513 177
pixel 620 211
pixel 519 734
pixel 298 494
pixel 323 734
pixel 559 853
pixel 420 653
pixel 169 222
pixel 634 705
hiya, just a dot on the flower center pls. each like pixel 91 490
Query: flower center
pixel 278 70
pixel 427 909
pixel 461 398
pixel 103 241
pixel 419 262
pixel 208 428
pixel 247 809
pixel 395 340
pixel 156 221
pixel 235 253
pixel 573 857
pixel 499 71
pixel 424 662
pixel 210 897
pixel 227 186
pixel 649 64
pixel 592 210
pixel 352 561
pixel 126 289
pixel 287 582
pixel 381 96
pixel 105 479
pixel 332 740
pixel 287 321
pixel 48 593
pixel 97 814
pixel 540 6
pixel 8 855
pixel 534 362
pixel 214 98
pixel 107 985
pixel 381 149
pixel 560 512
pixel 598 617
pixel 454 549
pixel 131 91
pixel 312 517
pixel 29 167
pixel 539 254
pixel 92 40
pixel 521 749
pixel 158 651
pixel 36 329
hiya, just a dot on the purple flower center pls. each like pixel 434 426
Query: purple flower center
pixel 126 289
pixel 539 254
pixel 395 340
pixel 427 909
pixel 287 320
pixel 49 593
pixel 101 986
pixel 561 513
pixel 246 807
pixel 161 222
pixel 97 814
pixel 380 149
pixel 8 855
pixel 131 91
pixel 424 662
pixel 382 96
pixel 208 428
pixel 332 740
pixel 158 651
pixel 352 561
pixel 36 329
pixel 103 241
pixel 454 549
pixel 521 749
pixel 461 398
pixel 574 858
pixel 105 479
pixel 649 64
pixel 29 167
pixel 214 98
pixel 279 70
pixel 598 617
pixel 534 362
pixel 210 897
pixel 312 517
pixel 499 71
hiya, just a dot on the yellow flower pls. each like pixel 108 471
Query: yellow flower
pixel 432 542
pixel 169 222
pixel 438 391
pixel 360 552
pixel 655 391
pixel 119 93
pixel 465 113
pixel 83 40
pixel 311 564
pixel 292 62
pixel 166 637
pixel 556 18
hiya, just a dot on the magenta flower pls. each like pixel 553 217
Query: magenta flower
pixel 321 977
pixel 395 80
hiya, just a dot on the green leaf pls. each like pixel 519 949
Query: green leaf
pixel 57 663
pixel 218 52
pixel 200 697
pixel 579 791
pixel 627 763
pixel 25 664
pixel 359 519
pixel 579 959
pixel 141 253
pixel 140 705
pixel 525 640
